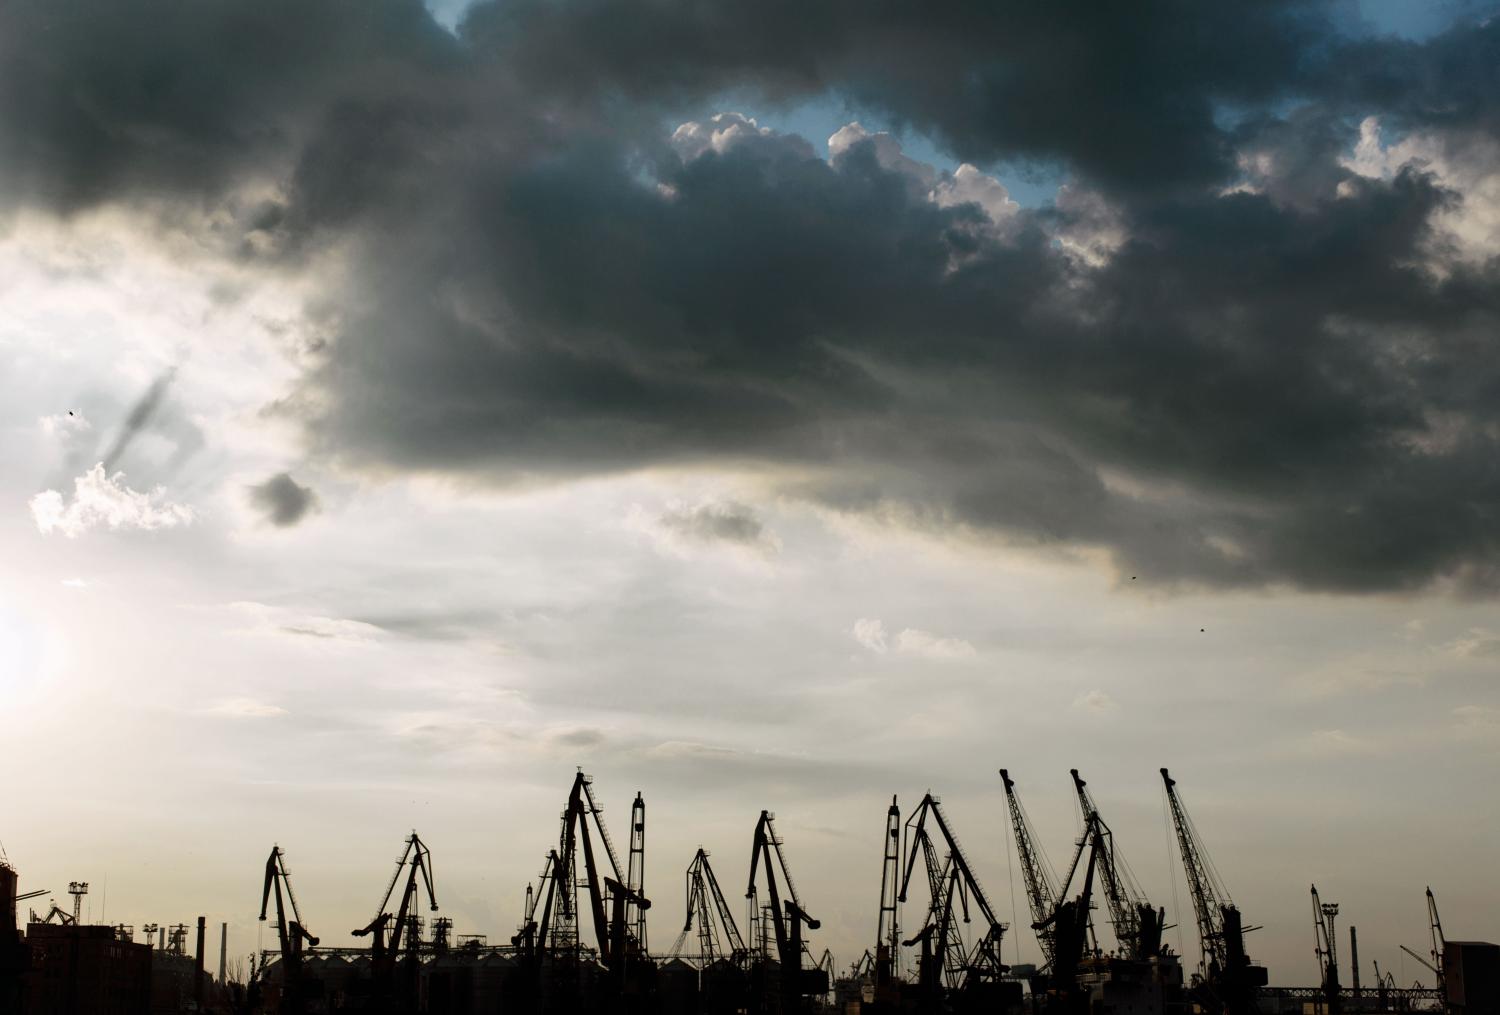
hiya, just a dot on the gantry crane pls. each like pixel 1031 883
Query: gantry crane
pixel 787 913
pixel 1325 947
pixel 387 932
pixel 290 934
pixel 1228 979
pixel 718 935
pixel 1137 923
pixel 950 881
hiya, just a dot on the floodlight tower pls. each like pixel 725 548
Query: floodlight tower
pixel 77 889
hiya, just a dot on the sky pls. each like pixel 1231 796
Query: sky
pixel 758 408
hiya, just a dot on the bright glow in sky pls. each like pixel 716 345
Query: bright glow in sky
pixel 381 472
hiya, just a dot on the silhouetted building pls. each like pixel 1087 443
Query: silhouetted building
pixel 12 950
pixel 86 971
pixel 1471 970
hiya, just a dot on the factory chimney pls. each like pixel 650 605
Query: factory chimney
pixel 223 952
pixel 198 968
pixel 1354 958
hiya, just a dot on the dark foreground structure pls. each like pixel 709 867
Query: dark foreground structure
pixel 582 944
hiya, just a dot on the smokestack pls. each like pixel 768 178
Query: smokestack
pixel 223 952
pixel 1354 957
pixel 161 939
pixel 198 969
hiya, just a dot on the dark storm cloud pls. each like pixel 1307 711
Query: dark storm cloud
pixel 718 523
pixel 283 500
pixel 1256 376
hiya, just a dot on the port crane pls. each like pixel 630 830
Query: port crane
pixel 291 934
pixel 1228 979
pixel 951 885
pixel 1137 923
pixel 787 912
pixel 1041 884
pixel 616 903
pixel 531 932
pixel 718 936
pixel 1435 966
pixel 386 932
pixel 1325 947
pixel 887 958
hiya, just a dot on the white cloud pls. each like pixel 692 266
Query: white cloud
pixel 75 583
pixel 723 131
pixel 100 499
pixel 870 633
pixel 968 185
pixel 1095 701
pixel 245 708
pixel 924 643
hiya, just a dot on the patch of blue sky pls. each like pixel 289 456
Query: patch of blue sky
pixel 1031 184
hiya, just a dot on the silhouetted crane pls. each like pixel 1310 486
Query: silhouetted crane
pixel 290 934
pixel 887 958
pixel 1325 947
pixel 387 932
pixel 787 913
pixel 1227 977
pixel 951 881
pixel 718 935
pixel 1138 925
pixel 1041 884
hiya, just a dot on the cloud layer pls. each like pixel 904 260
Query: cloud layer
pixel 1250 343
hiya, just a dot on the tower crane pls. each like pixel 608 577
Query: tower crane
pixel 387 932
pixel 1325 947
pixel 1226 974
pixel 290 934
pixel 718 936
pixel 1138 925
pixel 951 881
pixel 787 913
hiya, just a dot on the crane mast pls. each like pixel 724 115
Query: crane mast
pixel 888 931
pixel 636 880
pixel 1041 886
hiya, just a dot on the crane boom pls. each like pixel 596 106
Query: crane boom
pixel 1041 886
